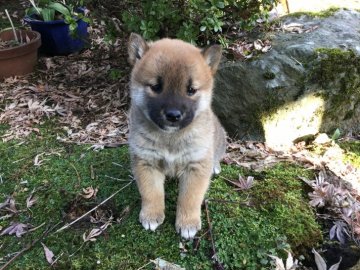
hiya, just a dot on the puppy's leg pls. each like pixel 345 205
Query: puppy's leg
pixel 150 182
pixel 193 185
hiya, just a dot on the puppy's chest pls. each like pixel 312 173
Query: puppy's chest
pixel 172 154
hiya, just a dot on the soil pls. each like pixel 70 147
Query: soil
pixel 8 44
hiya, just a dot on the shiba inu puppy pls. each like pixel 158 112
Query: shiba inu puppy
pixel 173 130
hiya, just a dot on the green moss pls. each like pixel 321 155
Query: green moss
pixel 277 216
pixel 336 72
pixel 352 152
pixel 269 75
pixel 321 14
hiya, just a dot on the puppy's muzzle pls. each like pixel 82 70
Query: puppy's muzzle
pixel 173 115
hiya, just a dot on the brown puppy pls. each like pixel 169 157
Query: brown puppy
pixel 173 131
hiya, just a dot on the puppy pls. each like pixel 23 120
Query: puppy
pixel 173 130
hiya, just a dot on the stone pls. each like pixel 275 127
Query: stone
pixel 306 84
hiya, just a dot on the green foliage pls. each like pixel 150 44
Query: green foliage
pixel 49 11
pixel 115 74
pixel 195 21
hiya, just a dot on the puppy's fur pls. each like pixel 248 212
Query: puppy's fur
pixel 173 131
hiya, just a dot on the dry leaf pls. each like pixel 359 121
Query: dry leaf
pixel 291 264
pixel 5 203
pixel 89 192
pixel 31 200
pixel 242 183
pixel 161 264
pixel 49 255
pixel 12 207
pixel 339 230
pixel 96 232
pixel 16 228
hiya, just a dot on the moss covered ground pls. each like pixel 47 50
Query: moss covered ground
pixel 247 225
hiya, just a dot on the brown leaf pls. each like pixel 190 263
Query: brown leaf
pixel 96 232
pixel 49 255
pixel 31 200
pixel 12 207
pixel 16 228
pixel 89 192
pixel 5 203
pixel 242 183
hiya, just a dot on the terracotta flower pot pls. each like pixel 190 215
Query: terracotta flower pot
pixel 19 60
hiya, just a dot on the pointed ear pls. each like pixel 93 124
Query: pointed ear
pixel 212 56
pixel 136 48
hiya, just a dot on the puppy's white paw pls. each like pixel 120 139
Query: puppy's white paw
pixel 217 168
pixel 188 232
pixel 151 221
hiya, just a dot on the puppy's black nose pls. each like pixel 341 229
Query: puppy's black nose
pixel 173 115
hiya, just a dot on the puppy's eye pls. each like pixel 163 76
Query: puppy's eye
pixel 191 91
pixel 156 88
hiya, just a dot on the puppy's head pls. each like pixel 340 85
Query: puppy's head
pixel 171 81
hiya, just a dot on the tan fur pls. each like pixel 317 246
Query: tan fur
pixel 192 152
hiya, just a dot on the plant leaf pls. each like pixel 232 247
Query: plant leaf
pixel 62 9
pixel 15 228
pixel 278 263
pixel 48 254
pixel 31 200
pixel 320 262
pixel 336 134
pixel 48 14
pixel 336 266
pixel 290 264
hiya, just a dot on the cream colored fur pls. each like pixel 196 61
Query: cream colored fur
pixel 190 153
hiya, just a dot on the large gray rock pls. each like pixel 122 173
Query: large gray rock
pixel 307 83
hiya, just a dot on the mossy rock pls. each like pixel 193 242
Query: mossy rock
pixel 307 83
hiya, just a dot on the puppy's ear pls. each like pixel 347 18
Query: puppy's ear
pixel 136 48
pixel 212 56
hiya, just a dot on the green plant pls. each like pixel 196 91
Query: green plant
pixel 195 21
pixel 46 10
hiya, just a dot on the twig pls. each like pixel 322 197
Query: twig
pixel 34 229
pixel 57 258
pixel 93 209
pixel 142 267
pixel 117 179
pixel 12 25
pixel 76 251
pixel 77 173
pixel 92 174
pixel 33 243
pixel 218 264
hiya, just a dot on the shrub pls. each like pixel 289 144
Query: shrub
pixel 195 21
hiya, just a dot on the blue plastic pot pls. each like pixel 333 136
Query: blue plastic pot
pixel 56 38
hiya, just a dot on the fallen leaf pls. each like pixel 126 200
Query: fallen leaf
pixel 161 264
pixel 96 232
pixel 320 262
pixel 5 203
pixel 49 255
pixel 89 192
pixel 12 207
pixel 16 228
pixel 31 200
pixel 242 183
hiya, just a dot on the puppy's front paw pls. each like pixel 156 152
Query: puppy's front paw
pixel 151 221
pixel 188 228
